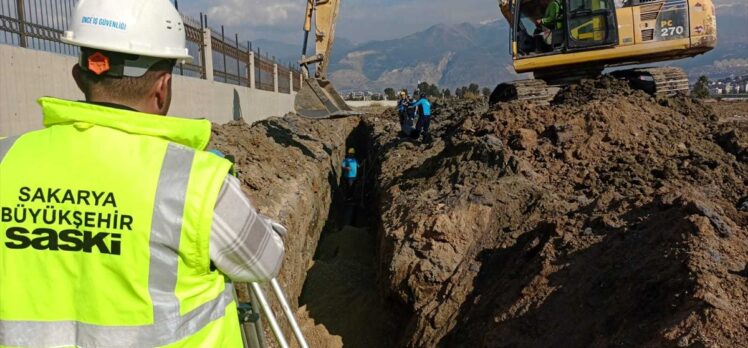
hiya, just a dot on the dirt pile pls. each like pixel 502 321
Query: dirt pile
pixel 607 219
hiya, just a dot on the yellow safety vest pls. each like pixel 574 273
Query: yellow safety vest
pixel 105 220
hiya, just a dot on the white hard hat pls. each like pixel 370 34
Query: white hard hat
pixel 151 28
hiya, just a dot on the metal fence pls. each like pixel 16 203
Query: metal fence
pixel 38 24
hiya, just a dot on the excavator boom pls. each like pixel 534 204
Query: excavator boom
pixel 317 97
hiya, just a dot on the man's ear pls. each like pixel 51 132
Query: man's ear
pixel 77 77
pixel 162 92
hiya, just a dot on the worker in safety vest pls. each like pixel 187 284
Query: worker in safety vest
pixel 111 216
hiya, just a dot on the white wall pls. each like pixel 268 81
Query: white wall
pixel 366 103
pixel 26 75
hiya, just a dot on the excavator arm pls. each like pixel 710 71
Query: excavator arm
pixel 317 97
pixel 324 13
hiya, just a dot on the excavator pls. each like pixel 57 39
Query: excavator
pixel 597 34
pixel 317 97
pixel 590 36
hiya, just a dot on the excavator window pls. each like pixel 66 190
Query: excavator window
pixel 591 23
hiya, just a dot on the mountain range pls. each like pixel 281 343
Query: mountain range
pixel 456 55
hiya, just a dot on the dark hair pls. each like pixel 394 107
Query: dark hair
pixel 122 88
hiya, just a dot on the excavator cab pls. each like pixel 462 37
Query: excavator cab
pixel 582 25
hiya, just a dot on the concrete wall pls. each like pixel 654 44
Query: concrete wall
pixel 367 103
pixel 26 75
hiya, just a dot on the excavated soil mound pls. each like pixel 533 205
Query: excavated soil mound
pixel 606 219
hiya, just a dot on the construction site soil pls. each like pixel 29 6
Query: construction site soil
pixel 608 218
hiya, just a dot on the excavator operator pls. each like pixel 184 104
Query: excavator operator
pixel 549 31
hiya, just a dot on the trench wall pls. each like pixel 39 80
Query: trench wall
pixel 290 169
pixel 26 75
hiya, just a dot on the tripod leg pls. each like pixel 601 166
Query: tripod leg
pixel 289 314
pixel 265 307
pixel 259 329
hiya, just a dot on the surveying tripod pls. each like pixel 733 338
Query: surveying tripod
pixel 252 313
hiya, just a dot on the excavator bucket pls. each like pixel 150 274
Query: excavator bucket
pixel 319 99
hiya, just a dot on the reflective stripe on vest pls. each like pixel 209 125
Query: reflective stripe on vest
pixel 5 145
pixel 169 325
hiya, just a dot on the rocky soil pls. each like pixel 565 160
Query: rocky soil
pixel 606 219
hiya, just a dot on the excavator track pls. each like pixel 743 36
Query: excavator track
pixel 536 91
pixel 660 82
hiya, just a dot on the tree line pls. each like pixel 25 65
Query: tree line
pixel 471 91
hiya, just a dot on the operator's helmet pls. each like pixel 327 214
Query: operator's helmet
pixel 126 37
pixel 351 151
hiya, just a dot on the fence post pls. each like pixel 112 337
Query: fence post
pixel 224 49
pixel 259 78
pixel 208 49
pixel 238 60
pixel 21 23
pixel 290 82
pixel 251 72
pixel 275 78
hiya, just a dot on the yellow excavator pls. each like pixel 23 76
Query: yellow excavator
pixel 588 37
pixel 592 35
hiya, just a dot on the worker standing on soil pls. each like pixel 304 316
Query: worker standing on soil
pixel 111 216
pixel 350 172
pixel 424 119
pixel 406 123
pixel 411 110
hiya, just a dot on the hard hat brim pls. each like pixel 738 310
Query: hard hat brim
pixel 182 58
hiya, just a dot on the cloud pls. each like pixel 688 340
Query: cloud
pixel 256 13
pixel 359 21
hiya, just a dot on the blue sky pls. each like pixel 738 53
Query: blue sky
pixel 360 20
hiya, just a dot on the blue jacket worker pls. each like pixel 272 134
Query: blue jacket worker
pixel 424 119
pixel 350 170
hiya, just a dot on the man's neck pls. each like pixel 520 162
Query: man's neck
pixel 112 105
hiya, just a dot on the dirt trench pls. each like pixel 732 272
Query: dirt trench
pixel 609 218
pixel 290 167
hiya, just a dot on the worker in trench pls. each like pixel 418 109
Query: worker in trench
pixel 350 173
pixel 111 216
